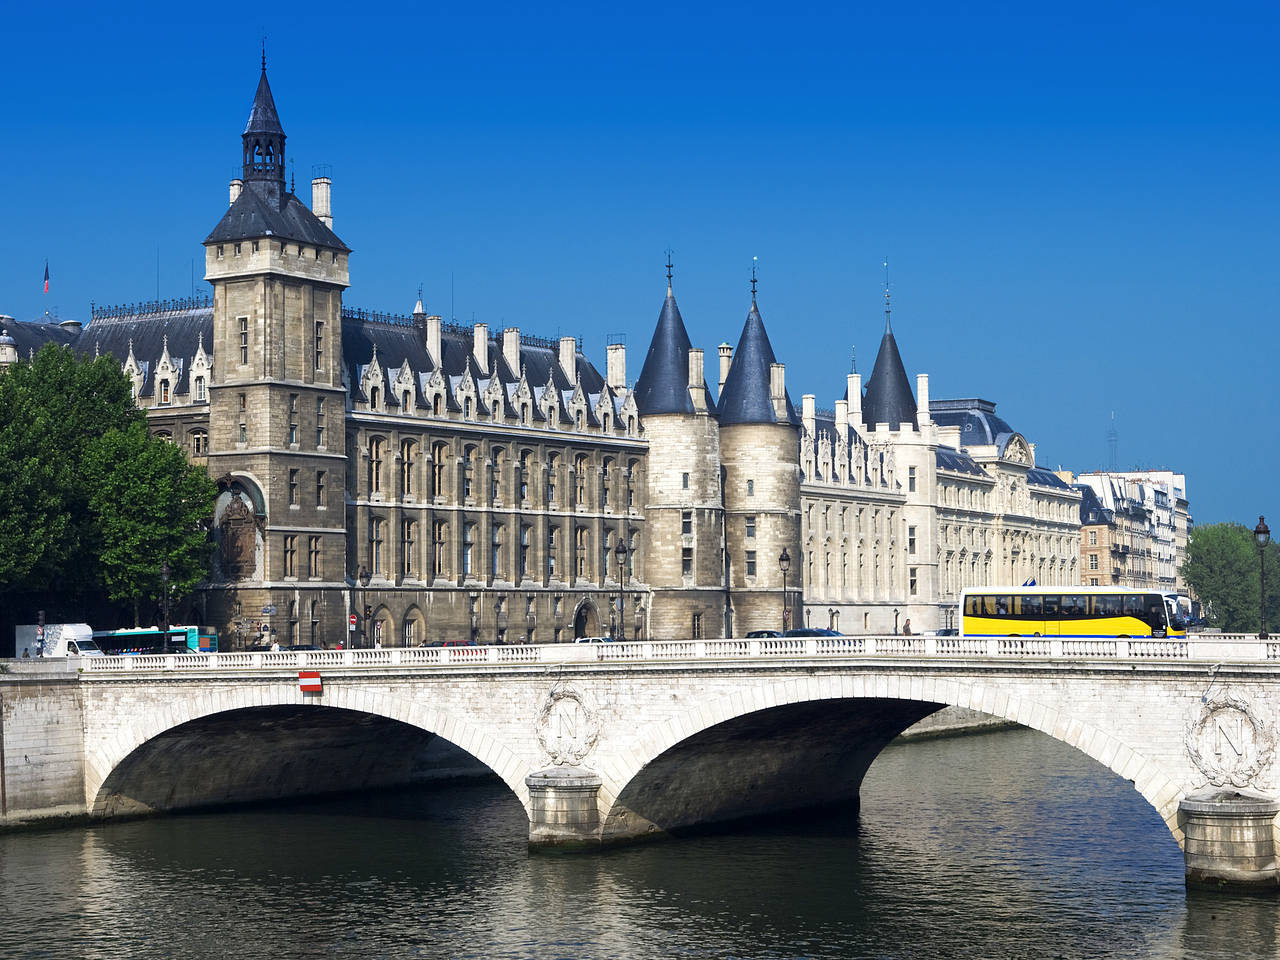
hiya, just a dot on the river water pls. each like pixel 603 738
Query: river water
pixel 1006 844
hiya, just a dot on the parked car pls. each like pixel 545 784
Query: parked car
pixel 813 632
pixel 763 634
pixel 593 639
pixel 948 632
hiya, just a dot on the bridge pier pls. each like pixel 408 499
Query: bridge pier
pixel 1230 840
pixel 564 811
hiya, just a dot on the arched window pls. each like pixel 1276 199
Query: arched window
pixel 439 547
pixel 468 548
pixel 495 556
pixel 436 402
pixel 524 550
pixel 439 466
pixel 468 472
pixel 523 479
pixel 408 547
pixel 164 391
pixel 580 479
pixel 377 541
pixel 374 397
pixel 199 443
pixel 581 542
pixel 200 395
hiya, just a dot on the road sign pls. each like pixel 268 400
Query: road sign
pixel 309 681
pixel 351 622
pixel 269 609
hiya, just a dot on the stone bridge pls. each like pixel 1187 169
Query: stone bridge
pixel 611 742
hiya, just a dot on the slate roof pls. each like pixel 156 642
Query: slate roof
pixel 957 461
pixel 263 117
pixel 977 420
pixel 253 216
pixel 663 385
pixel 184 326
pixel 1040 477
pixel 888 397
pixel 747 394
pixel 28 338
pixel 1091 509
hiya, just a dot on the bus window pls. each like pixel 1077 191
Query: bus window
pixel 1002 606
pixel 1073 607
pixel 971 605
pixel 1028 608
pixel 1052 604
pixel 1133 605
pixel 1106 605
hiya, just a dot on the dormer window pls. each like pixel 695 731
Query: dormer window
pixel 164 391
pixel 373 398
pixel 237 249
pixel 200 394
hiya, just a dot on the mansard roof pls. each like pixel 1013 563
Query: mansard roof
pixel 399 340
pixel 747 396
pixel 1040 477
pixel 253 216
pixel 144 327
pixel 957 461
pixel 888 397
pixel 663 385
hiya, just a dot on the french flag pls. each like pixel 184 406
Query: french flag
pixel 46 276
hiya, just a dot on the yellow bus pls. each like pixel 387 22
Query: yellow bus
pixel 1068 612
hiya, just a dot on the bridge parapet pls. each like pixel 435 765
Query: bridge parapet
pixel 1213 648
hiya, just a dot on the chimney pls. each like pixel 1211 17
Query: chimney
pixel 842 418
pixel 696 379
pixel 480 345
pixel 808 413
pixel 568 358
pixel 236 186
pixel 433 340
pixel 922 400
pixel 615 366
pixel 726 358
pixel 511 348
pixel 320 200
pixel 855 398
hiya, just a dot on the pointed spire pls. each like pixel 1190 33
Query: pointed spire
pixel 888 397
pixel 747 396
pixel 263 138
pixel 663 385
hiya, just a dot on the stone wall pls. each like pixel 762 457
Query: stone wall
pixel 42 773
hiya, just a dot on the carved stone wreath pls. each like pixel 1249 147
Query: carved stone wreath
pixel 1252 753
pixel 567 727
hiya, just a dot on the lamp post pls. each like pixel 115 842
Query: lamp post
pixel 368 611
pixel 620 551
pixel 164 602
pixel 895 621
pixel 784 564
pixel 1263 534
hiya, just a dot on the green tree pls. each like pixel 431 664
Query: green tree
pixel 148 506
pixel 1222 568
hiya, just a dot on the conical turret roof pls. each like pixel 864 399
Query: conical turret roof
pixel 262 116
pixel 747 394
pixel 663 386
pixel 888 397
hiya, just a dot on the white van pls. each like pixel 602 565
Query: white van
pixel 60 640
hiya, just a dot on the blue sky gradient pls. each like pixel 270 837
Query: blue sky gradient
pixel 1079 206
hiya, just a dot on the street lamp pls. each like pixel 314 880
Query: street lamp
pixel 368 611
pixel 620 551
pixel 784 564
pixel 1263 534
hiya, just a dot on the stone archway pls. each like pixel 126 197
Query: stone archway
pixel 586 620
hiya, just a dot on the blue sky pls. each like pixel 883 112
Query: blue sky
pixel 1079 205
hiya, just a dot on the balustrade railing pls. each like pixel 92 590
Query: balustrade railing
pixel 1208 647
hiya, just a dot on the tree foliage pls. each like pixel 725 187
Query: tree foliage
pixel 84 486
pixel 1223 568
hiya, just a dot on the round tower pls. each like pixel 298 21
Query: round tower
pixel 684 518
pixel 760 455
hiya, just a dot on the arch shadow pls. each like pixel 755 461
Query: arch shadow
pixel 797 744
pixel 282 745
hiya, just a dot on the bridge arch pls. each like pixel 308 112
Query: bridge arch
pixel 129 737
pixel 624 766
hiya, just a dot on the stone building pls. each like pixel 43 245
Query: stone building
pixel 434 481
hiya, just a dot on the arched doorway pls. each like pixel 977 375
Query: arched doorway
pixel 586 622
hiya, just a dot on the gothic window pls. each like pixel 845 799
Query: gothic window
pixel 313 557
pixel 199 443
pixel 553 464
pixel 200 394
pixel 581 541
pixel 468 471
pixel 551 550
pixel 604 483
pixel 439 541
pixel 580 480
pixel 439 460
pixel 468 547
pixel 495 478
pixel 293 419
pixel 318 342
pixel 244 336
pixel 495 558
pixel 319 422
pixel 375 465
pixel 320 489
pixel 374 398
pixel 524 475
pixel 164 391
pixel 290 555
pixel 407 463
pixel 293 488
pixel 377 540
pixel 408 542
pixel 524 551
pixel 410 632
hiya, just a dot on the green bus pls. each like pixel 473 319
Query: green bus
pixel 144 641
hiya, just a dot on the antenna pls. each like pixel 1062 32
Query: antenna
pixel 1113 441
pixel 887 310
